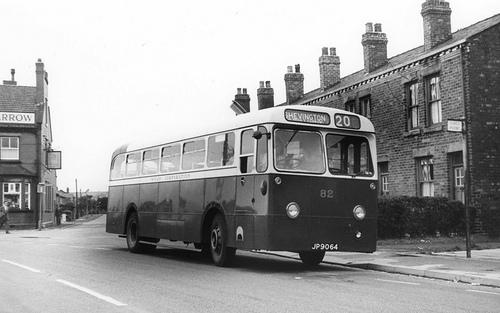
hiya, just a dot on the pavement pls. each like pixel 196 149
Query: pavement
pixel 483 268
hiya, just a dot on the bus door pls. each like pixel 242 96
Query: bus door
pixel 245 185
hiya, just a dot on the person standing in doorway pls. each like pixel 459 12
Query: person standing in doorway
pixel 4 218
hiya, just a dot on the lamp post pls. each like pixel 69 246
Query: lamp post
pixel 40 191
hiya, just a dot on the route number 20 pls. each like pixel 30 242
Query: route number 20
pixel 342 121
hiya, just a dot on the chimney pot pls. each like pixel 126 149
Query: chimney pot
pixel 289 69
pixel 369 27
pixel 261 84
pixel 238 91
pixel 324 51
pixel 294 84
pixel 436 21
pixel 374 47
pixel 329 69
pixel 244 91
pixel 265 96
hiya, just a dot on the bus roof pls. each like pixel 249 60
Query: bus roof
pixel 317 116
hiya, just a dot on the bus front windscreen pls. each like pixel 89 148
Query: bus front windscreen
pixel 298 151
pixel 348 155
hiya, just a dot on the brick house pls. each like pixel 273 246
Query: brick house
pixel 26 179
pixel 412 96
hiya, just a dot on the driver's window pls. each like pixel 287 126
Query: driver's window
pixel 247 151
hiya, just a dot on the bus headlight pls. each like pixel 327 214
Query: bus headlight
pixel 292 210
pixel 359 212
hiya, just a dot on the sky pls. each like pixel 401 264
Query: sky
pixel 122 71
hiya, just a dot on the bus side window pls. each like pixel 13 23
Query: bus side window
pixel 247 151
pixel 132 166
pixel 170 158
pixel 262 151
pixel 221 150
pixel 118 168
pixel 150 162
pixel 193 154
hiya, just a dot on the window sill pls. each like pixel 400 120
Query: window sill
pixel 10 161
pixel 434 128
pixel 14 211
pixel 413 132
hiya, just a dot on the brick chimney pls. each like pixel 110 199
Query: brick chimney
pixel 437 22
pixel 374 43
pixel 11 82
pixel 265 95
pixel 243 98
pixel 329 68
pixel 42 82
pixel 294 84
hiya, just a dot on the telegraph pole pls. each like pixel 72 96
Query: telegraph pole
pixel 76 199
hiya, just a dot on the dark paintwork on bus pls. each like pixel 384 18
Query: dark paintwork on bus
pixel 176 210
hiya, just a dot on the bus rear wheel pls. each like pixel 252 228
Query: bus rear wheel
pixel 133 240
pixel 222 255
pixel 312 258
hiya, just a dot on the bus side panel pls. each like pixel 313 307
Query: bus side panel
pixel 115 214
pixel 130 197
pixel 169 223
pixel 261 208
pixel 191 205
pixel 147 209
pixel 222 191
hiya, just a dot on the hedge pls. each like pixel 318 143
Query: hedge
pixel 490 219
pixel 420 216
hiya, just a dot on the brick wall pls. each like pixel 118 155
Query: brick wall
pixel 483 71
pixel 400 147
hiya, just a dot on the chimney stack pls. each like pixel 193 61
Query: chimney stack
pixel 42 83
pixel 437 22
pixel 11 82
pixel 374 43
pixel 329 68
pixel 265 95
pixel 241 101
pixel 294 84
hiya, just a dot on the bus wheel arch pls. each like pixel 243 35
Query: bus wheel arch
pixel 133 239
pixel 215 237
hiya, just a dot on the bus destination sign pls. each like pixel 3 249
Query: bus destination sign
pixel 347 121
pixel 307 117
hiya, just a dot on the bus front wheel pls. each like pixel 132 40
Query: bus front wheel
pixel 312 258
pixel 133 243
pixel 222 255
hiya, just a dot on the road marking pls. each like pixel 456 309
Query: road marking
pixel 397 282
pixel 34 270
pixel 488 292
pixel 91 292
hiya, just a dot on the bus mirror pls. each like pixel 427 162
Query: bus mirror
pixel 257 134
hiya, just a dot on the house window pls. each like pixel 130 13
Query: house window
pixel 412 105
pixel 365 107
pixel 458 176
pixel 383 169
pixel 9 148
pixel 425 177
pixel 350 106
pixel 12 194
pixel 434 100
